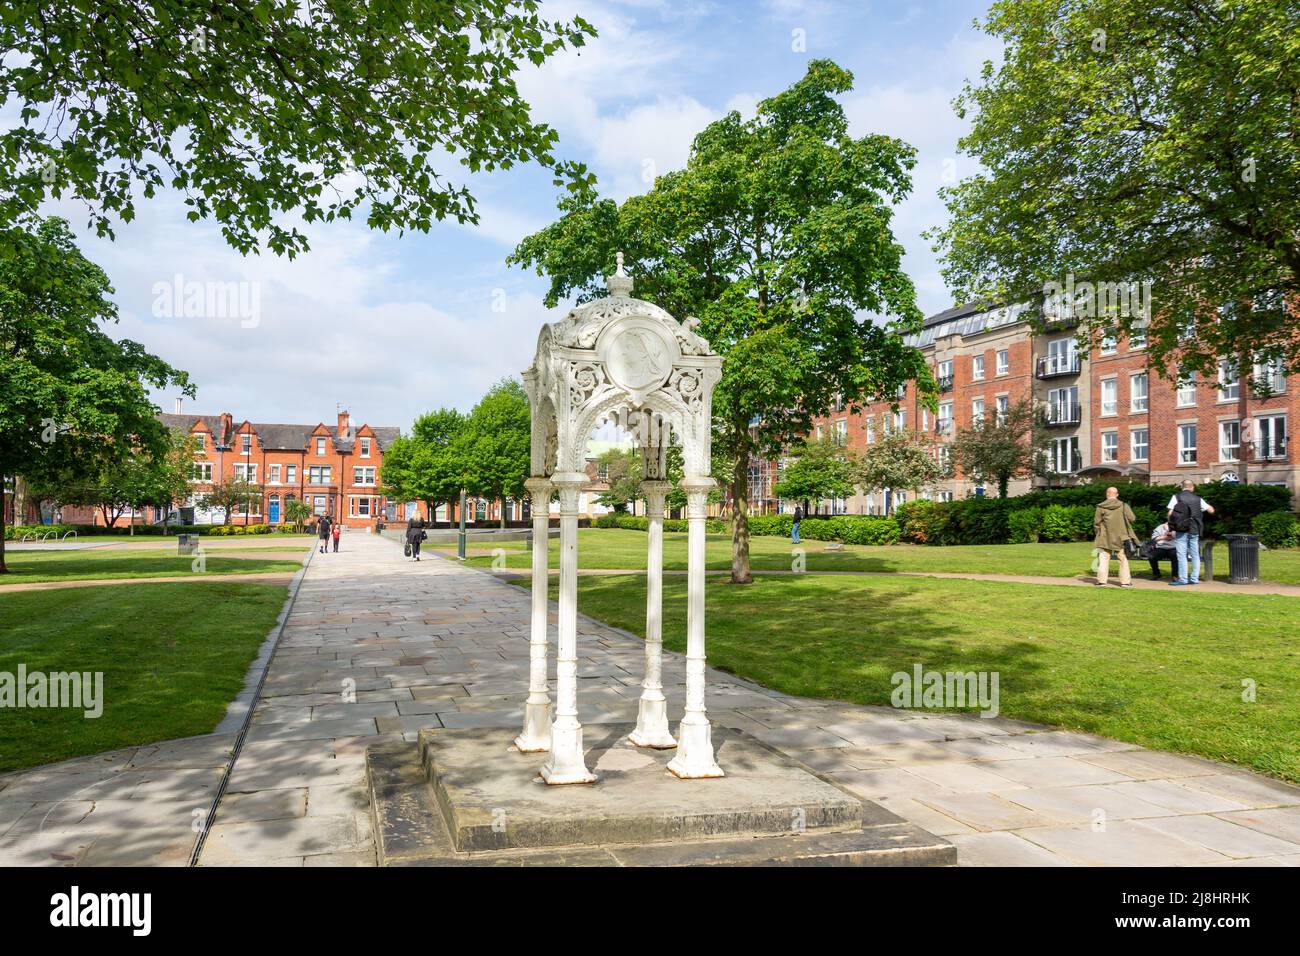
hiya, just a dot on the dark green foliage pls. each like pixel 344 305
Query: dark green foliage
pixel 1277 529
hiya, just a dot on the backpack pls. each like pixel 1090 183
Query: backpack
pixel 1180 519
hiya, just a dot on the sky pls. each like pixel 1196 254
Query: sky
pixel 392 326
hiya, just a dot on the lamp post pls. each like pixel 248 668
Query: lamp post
pixel 460 542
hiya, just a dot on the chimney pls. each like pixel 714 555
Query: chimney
pixel 343 423
pixel 178 404
pixel 227 427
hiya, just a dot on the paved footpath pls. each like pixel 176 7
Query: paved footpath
pixel 378 647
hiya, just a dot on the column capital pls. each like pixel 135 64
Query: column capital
pixel 564 479
pixel 697 490
pixel 655 491
pixel 538 485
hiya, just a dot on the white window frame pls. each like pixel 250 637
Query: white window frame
pixel 1003 407
pixel 1004 362
pixel 1134 444
pixel 1230 441
pixel 273 473
pixel 202 440
pixel 1229 381
pixel 1186 394
pixel 320 447
pixel 1186 452
pixel 977 368
pixel 1109 344
pixel 202 473
pixel 1269 445
pixel 1139 402
pixel 365 447
pixel 291 474
pixel 1110 385
pixel 977 411
pixel 1110 446
pixel 1268 376
pixel 245 443
pixel 363 476
pixel 246 470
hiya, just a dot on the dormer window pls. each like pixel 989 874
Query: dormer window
pixel 320 447
pixel 365 448
pixel 246 443
pixel 201 440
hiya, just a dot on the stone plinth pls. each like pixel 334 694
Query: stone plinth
pixel 462 797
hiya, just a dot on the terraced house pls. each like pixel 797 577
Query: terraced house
pixel 334 468
pixel 1109 412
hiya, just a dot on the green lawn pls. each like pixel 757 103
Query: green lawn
pixel 617 548
pixel 173 657
pixel 33 566
pixel 1159 669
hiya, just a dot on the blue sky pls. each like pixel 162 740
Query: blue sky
pixel 392 326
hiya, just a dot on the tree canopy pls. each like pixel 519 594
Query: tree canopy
pixel 777 236
pixel 821 468
pixel 493 448
pixel 70 396
pixel 254 109
pixel 997 448
pixel 1134 140
pixel 899 461
pixel 425 465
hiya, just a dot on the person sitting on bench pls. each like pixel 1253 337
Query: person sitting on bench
pixel 1161 548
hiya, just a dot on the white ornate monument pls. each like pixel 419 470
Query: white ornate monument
pixel 623 359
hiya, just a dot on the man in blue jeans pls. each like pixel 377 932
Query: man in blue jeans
pixel 794 530
pixel 1187 512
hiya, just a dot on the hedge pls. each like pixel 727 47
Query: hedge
pixel 16 532
pixel 1277 529
pixel 851 529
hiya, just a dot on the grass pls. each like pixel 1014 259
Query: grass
pixel 34 566
pixel 618 548
pixel 173 657
pixel 1158 669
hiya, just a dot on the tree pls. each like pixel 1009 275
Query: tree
pixel 777 236
pixel 70 396
pixel 1134 140
pixel 425 465
pixel 899 461
pixel 254 110
pixel 623 470
pixel 231 496
pixel 821 468
pixel 997 448
pixel 493 449
pixel 297 513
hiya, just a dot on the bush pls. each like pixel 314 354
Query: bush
pixel 1025 525
pixel 1277 529
pixel 1067 523
pixel 852 529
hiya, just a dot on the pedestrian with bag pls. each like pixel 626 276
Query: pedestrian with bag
pixel 415 535
pixel 794 529
pixel 1187 511
pixel 1112 523
pixel 323 530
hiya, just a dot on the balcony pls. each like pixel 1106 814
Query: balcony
pixel 944 383
pixel 1054 367
pixel 943 426
pixel 1064 414
pixel 1271 451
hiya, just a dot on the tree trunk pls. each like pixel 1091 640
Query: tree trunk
pixel 4 518
pixel 503 514
pixel 1003 482
pixel 740 573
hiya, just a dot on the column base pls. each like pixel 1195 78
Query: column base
pixel 694 760
pixel 536 735
pixel 652 726
pixel 567 764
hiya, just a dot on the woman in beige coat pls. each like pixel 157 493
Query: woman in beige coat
pixel 1113 524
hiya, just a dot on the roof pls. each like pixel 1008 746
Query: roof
pixel 969 319
pixel 281 436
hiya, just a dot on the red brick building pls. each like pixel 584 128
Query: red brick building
pixel 1110 414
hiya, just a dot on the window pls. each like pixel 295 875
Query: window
pixel 1065 455
pixel 1187 391
pixel 361 507
pixel 1110 446
pixel 1137 393
pixel 362 475
pixel 1137 336
pixel 273 474
pixel 977 411
pixel 201 441
pixel 318 475
pixel 1061 356
pixel 1004 406
pixel 1187 444
pixel 1063 405
pixel 1228 380
pixel 944 424
pixel 1267 377
pixel 871 430
pixel 900 422
pixel 1110 396
pixel 1229 440
pixel 925 419
pixel 318 504
pixel 977 368
pixel 1271 441
pixel 1004 361
pixel 247 471
pixel 944 375
pixel 365 448
pixel 1109 343
pixel 291 473
pixel 202 471
pixel 841 432
pixel 320 447
pixel 1138 444
pixel 245 443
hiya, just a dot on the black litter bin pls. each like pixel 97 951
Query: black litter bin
pixel 1243 558
pixel 186 543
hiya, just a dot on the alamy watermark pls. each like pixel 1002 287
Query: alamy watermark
pixel 37 690
pixel 952 690
pixel 181 299
pixel 1092 300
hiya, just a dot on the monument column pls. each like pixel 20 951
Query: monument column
pixel 536 735
pixel 652 718
pixel 694 738
pixel 567 763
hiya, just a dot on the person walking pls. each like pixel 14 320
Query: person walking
pixel 1112 523
pixel 794 529
pixel 323 529
pixel 334 533
pixel 415 535
pixel 1187 511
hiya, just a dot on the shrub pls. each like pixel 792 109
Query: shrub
pixel 1025 525
pixel 1277 529
pixel 1067 523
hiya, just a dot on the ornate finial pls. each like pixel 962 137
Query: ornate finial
pixel 620 283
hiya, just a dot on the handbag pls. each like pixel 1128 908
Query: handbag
pixel 1130 548
pixel 407 549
